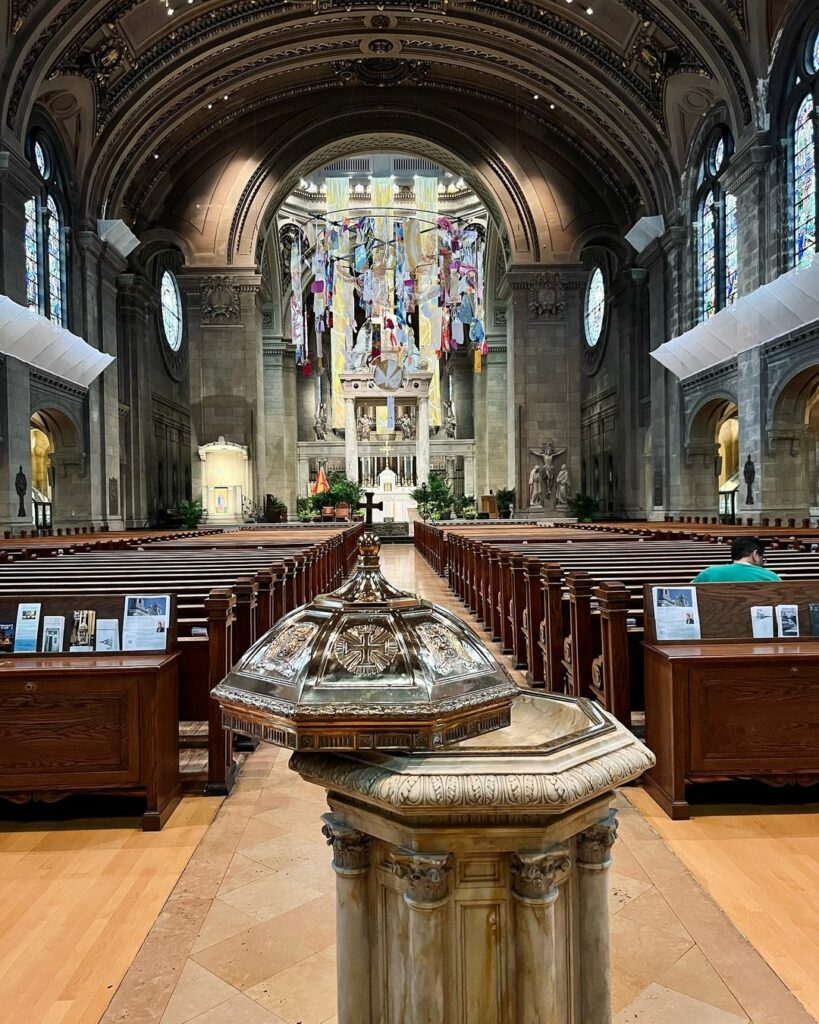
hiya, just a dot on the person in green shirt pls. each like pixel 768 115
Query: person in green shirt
pixel 747 565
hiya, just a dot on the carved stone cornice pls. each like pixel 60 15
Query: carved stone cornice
pixel 16 172
pixel 351 849
pixel 427 876
pixel 535 875
pixel 595 843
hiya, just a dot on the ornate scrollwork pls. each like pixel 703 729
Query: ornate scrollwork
pixel 381 71
pixel 366 650
pixel 220 301
pixel 595 843
pixel 427 876
pixel 282 652
pixel 351 848
pixel 535 875
pixel 547 297
pixel 448 655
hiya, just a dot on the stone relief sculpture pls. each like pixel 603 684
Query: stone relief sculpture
pixel 549 454
pixel 535 488
pixel 220 301
pixel 320 424
pixel 547 298
pixel 364 426
pixel 562 487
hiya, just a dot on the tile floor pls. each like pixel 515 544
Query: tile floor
pixel 247 936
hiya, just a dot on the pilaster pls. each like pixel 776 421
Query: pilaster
pixel 280 418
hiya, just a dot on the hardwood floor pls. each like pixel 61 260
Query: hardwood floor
pixel 761 866
pixel 76 902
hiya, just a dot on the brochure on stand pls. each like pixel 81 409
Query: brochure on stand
pixel 27 628
pixel 53 632
pixel 146 622
pixel 107 635
pixel 762 621
pixel 676 614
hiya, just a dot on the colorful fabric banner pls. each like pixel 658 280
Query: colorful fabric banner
pixel 429 312
pixel 338 199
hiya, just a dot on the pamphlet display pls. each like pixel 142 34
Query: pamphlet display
pixel 6 637
pixel 107 635
pixel 676 614
pixel 787 619
pixel 146 621
pixel 53 632
pixel 83 631
pixel 762 621
pixel 27 628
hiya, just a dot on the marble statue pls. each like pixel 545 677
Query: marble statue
pixel 21 486
pixel 535 488
pixel 364 426
pixel 320 424
pixel 406 425
pixel 549 454
pixel 750 477
pixel 450 421
pixel 562 487
pixel 361 349
pixel 412 360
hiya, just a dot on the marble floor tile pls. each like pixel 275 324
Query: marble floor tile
pixel 196 992
pixel 269 897
pixel 239 1010
pixel 304 993
pixel 659 1005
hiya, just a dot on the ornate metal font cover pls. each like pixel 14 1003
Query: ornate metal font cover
pixel 367 667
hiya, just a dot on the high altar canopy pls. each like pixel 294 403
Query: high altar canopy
pixel 409 286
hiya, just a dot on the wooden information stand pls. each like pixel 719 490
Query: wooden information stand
pixel 730 706
pixel 91 722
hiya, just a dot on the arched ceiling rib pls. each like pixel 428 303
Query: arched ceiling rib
pixel 153 76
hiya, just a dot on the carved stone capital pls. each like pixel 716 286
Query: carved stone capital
pixel 535 875
pixel 427 876
pixel 220 301
pixel 351 849
pixel 594 845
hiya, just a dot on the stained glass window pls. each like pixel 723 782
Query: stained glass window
pixel 804 183
pixel 595 307
pixel 731 249
pixel 32 257
pixel 814 55
pixel 708 256
pixel 56 263
pixel 41 159
pixel 171 303
pixel 718 155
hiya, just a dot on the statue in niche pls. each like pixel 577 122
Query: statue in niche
pixel 364 426
pixel 535 488
pixel 406 425
pixel 360 352
pixel 320 423
pixel 549 454
pixel 750 476
pixel 450 420
pixel 562 487
pixel 21 486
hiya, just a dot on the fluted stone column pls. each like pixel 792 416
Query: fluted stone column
pixel 593 863
pixel 351 863
pixel 350 440
pixel 427 876
pixel 423 439
pixel 534 885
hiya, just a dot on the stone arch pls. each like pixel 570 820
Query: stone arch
pixel 703 468
pixel 792 460
pixel 68 472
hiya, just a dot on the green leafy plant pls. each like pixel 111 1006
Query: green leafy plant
pixel 192 513
pixel 305 510
pixel 342 489
pixel 582 507
pixel 470 512
pixel 276 509
pixel 506 501
pixel 422 496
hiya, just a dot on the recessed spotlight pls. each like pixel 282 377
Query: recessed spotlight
pixel 536 96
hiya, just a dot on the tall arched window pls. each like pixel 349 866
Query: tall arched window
pixel 804 134
pixel 717 230
pixel 45 240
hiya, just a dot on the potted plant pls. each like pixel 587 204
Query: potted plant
pixel 506 502
pixel 276 510
pixel 582 507
pixel 191 513
pixel 421 495
pixel 441 496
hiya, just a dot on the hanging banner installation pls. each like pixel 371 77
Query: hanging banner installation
pixel 429 296
pixel 338 288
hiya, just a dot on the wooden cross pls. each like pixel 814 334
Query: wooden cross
pixel 369 506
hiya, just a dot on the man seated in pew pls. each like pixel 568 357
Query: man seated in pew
pixel 747 565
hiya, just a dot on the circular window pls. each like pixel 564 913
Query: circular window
pixel 41 159
pixel 718 155
pixel 171 303
pixel 595 307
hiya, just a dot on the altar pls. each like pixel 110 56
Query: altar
pixel 396 500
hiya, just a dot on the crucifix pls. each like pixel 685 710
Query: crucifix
pixel 369 506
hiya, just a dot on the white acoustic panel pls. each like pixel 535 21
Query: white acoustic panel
pixel 118 235
pixel 644 232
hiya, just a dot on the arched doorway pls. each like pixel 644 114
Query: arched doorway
pixel 60 483
pixel 711 480
pixel 791 482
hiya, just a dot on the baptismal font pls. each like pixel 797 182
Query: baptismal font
pixel 471 822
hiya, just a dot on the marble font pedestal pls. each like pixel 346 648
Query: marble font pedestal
pixel 472 883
